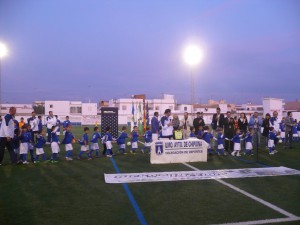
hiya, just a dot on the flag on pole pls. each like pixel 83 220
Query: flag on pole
pixel 144 116
pixel 140 110
pixel 132 113
pixel 147 114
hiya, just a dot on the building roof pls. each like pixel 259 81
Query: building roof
pixel 292 105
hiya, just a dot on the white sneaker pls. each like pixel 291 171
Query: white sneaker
pixel 233 153
pixel 275 151
pixel 25 163
pixel 109 156
pixel 69 159
pixel 238 154
pixel 271 153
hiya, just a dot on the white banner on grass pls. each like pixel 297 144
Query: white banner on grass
pixel 198 175
pixel 178 151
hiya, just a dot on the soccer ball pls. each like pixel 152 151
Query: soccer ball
pixel 128 143
pixel 280 141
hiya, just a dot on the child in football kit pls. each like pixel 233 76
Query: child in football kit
pixel 68 141
pixel 54 144
pixel 16 142
pixel 95 146
pixel 295 132
pixel 192 134
pixel 30 143
pixel 25 138
pixel 237 143
pixel 200 132
pixel 84 142
pixel 271 141
pixel 282 130
pixel 109 140
pixel 121 140
pixel 134 140
pixel 220 141
pixel 207 138
pixel 148 140
pixel 40 142
pixel 248 140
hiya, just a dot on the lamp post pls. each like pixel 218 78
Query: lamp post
pixel 192 56
pixel 3 53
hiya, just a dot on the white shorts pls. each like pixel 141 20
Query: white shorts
pixel 122 146
pixel 24 148
pixel 69 147
pixel 237 146
pixel 154 137
pixel 249 146
pixel 57 133
pixel 221 146
pixel 208 146
pixel 55 147
pixel 108 145
pixel 298 133
pixel 295 135
pixel 64 132
pixel 84 148
pixel 282 134
pixel 147 144
pixel 134 144
pixel 94 146
pixel 30 146
pixel 271 143
pixel 39 151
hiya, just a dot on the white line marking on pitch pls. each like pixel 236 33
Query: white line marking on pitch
pixel 279 220
pixel 291 217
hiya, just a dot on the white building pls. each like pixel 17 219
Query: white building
pixel 22 109
pixel 84 113
pixel 273 104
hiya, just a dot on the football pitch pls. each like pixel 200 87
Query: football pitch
pixel 74 192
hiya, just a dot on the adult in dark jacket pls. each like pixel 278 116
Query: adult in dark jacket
pixel 198 121
pixel 228 131
pixel 243 123
pixel 266 127
pixel 218 119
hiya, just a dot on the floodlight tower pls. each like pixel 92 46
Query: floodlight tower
pixel 3 53
pixel 192 56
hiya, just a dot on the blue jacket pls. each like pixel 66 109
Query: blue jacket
pixel 40 142
pixel 154 124
pixel 148 136
pixel 134 136
pixel 252 122
pixel 68 138
pixel 121 138
pixel 207 137
pixel 95 137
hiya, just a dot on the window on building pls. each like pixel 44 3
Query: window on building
pixel 124 107
pixel 185 108
pixel 51 106
pixel 156 107
pixel 74 109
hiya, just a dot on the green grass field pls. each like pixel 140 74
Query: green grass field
pixel 74 192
